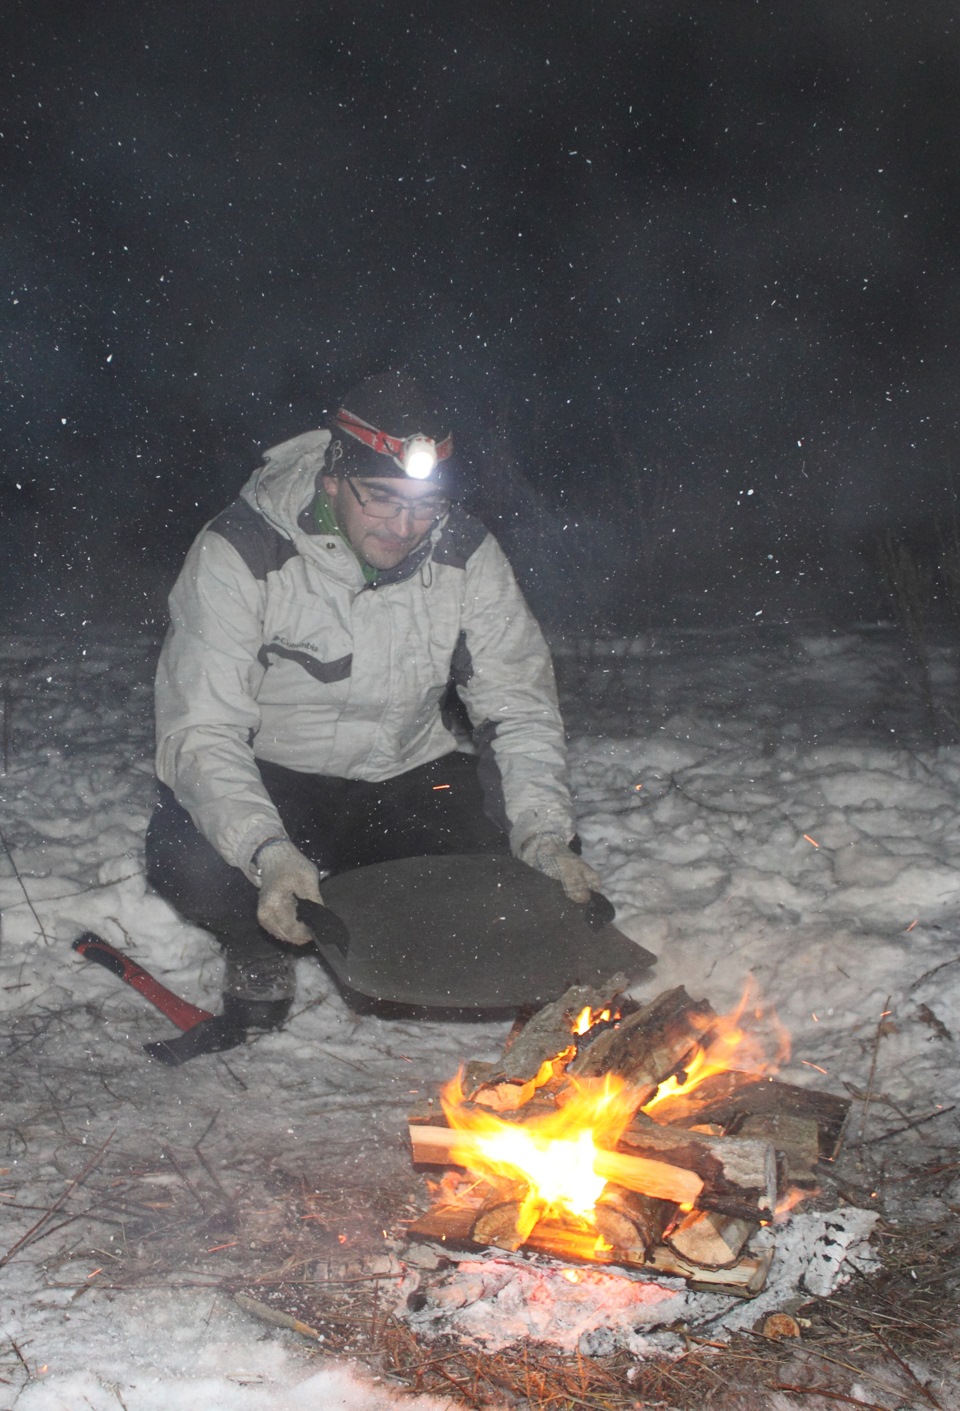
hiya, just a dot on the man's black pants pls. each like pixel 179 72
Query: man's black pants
pixel 339 824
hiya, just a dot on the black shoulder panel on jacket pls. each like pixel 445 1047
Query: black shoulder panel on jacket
pixel 462 536
pixel 262 548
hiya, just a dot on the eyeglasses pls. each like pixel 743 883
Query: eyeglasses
pixel 379 506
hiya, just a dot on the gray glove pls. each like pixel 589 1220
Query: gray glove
pixel 549 854
pixel 285 875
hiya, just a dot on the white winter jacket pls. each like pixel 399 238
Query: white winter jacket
pixel 278 650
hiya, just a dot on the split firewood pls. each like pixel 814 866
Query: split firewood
pixel 502 1225
pixel 729 1097
pixel 733 1176
pixel 452 1224
pixel 456 1224
pixel 444 1222
pixel 431 1113
pixel 649 1045
pixel 709 1240
pixel 475 1074
pixel 432 1116
pixel 630 1222
pixel 501 1095
pixel 795 1139
pixel 550 1031
pixel 507 1218
pixel 430 1139
pixel 739 1177
pixel 485 1084
pixel 651 1177
pixel 520 1021
pixel 619 1233
pixel 745 1279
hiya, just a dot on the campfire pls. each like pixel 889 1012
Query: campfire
pixel 651 1137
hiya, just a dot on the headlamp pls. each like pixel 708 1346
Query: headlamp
pixel 417 456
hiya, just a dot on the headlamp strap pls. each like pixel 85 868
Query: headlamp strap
pixel 383 443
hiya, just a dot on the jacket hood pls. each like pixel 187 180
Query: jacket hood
pixel 285 484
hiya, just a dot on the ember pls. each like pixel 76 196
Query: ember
pixel 655 1138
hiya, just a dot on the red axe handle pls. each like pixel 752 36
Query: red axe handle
pixel 180 1011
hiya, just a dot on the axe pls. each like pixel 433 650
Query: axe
pixel 203 1032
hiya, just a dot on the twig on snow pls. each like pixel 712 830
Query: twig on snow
pixel 16 873
pixel 922 1387
pixel 955 960
pixel 34 1230
pixel 79 891
pixel 831 1395
pixel 275 1317
pixel 909 1126
pixel 214 1179
pixel 868 1095
pixel 197 1194
pixel 21 1359
pixel 862 1372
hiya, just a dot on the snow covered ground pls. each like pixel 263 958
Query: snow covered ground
pixel 764 802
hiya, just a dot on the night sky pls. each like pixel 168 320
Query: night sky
pixel 686 275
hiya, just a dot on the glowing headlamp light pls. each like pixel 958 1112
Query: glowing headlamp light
pixel 417 456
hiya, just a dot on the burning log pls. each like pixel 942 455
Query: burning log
pixel 492 1090
pixel 546 1035
pixel 731 1176
pixel 735 1099
pixel 650 1044
pixel 439 1146
pixel 629 1139
pixel 452 1224
pixel 631 1223
pixel 506 1220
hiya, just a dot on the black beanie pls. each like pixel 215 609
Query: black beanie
pixel 395 403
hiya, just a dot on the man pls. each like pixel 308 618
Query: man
pixel 302 724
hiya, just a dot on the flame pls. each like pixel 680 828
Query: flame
pixel 509 1097
pixel 550 1157
pixel 789 1201
pixel 751 1039
pixel 588 1017
pixel 553 1153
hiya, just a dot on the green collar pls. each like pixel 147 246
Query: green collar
pixel 327 524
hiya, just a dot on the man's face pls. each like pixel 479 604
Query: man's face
pixel 382 543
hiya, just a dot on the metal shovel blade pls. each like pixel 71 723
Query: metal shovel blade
pixel 475 931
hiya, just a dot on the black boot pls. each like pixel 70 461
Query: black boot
pixel 258 990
